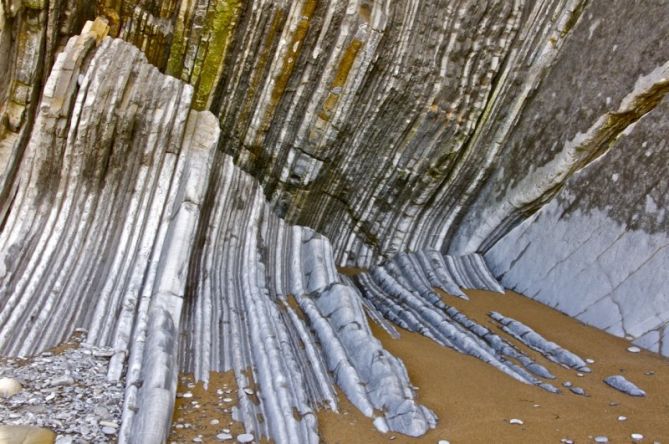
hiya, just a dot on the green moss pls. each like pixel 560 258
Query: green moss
pixel 289 60
pixel 221 21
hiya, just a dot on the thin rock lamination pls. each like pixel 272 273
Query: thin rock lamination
pixel 402 291
pixel 107 231
pixel 267 302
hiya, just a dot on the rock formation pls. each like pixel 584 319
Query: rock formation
pixel 185 188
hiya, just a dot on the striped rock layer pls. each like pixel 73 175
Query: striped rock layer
pixel 530 132
pixel 393 126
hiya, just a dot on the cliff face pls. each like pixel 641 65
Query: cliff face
pixel 163 178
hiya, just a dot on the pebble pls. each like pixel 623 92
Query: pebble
pixel 622 418
pixel 109 424
pixel 223 436
pixel 9 387
pixel 590 361
pixel 567 441
pixel 567 384
pixel 197 439
pixel 443 441
pixel 187 395
pixel 580 375
pixel 577 391
pixel 601 439
pixel 214 422
pixel 61 381
pixel 516 421
pixel 636 436
pixel 109 430
pixel 245 437
pixel 633 349
pixel 248 391
pixel 227 399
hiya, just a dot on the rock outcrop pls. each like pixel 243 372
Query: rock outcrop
pixel 185 187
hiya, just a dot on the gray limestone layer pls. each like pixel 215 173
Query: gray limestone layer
pixel 403 126
pixel 127 222
pixel 268 303
pixel 619 383
pixel 400 291
pixel 420 139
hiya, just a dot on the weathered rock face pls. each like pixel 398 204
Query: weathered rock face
pixel 596 251
pixel 149 184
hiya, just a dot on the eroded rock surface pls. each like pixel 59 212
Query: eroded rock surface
pixel 149 185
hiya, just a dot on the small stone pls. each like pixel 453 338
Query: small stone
pixel 61 381
pixel 225 430
pixel 601 439
pixel 245 437
pixel 580 375
pixel 633 349
pixel 214 422
pixel 636 436
pixel 223 436
pixel 516 421
pixel 590 361
pixel 187 395
pixel 248 391
pixel 649 373
pixel 9 387
pixel 577 391
pixel 622 418
pixel 197 439
pixel 109 424
pixel 567 441
pixel 109 430
pixel 567 384
pixel 227 399
pixel 443 441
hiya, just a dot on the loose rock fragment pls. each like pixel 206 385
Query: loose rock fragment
pixel 619 383
pixel 9 387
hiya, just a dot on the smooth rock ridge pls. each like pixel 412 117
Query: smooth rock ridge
pixel 267 302
pixel 401 290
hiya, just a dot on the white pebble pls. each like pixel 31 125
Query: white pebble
pixel 443 441
pixel 187 395
pixel 601 439
pixel 223 436
pixel 248 391
pixel 516 421
pixel 636 436
pixel 590 361
pixel 633 349
pixel 214 422
pixel 622 418
pixel 227 399
pixel 9 387
pixel 245 437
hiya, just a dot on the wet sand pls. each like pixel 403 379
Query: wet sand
pixel 474 402
pixel 193 415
